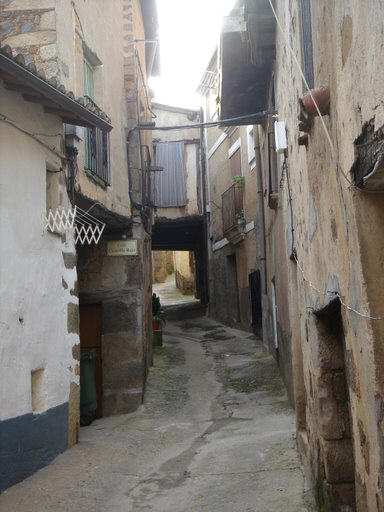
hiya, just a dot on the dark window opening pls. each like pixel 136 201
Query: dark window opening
pixel 306 41
pixel 255 291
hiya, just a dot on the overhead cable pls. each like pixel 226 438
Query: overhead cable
pixel 224 122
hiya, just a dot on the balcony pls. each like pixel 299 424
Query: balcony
pixel 233 214
pixel 97 159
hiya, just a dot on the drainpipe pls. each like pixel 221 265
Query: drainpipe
pixel 261 238
pixel 203 166
pixel 261 215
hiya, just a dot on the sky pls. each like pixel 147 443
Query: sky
pixel 189 32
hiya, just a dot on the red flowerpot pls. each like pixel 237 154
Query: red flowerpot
pixel 322 98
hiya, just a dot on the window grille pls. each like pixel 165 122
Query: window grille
pixel 97 157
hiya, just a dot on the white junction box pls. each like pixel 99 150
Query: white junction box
pixel 280 137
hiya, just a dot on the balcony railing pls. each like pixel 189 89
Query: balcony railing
pixel 233 210
pixel 97 158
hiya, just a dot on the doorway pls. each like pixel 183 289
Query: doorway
pixel 256 306
pixel 90 339
pixel 334 412
pixel 233 289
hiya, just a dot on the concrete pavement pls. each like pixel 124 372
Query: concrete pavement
pixel 216 434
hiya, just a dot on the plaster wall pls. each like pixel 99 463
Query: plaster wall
pixel 39 320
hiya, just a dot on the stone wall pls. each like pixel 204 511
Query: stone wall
pixel 337 238
pixel 109 280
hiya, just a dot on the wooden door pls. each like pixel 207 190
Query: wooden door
pixel 90 338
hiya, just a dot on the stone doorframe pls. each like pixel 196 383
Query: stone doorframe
pixel 336 468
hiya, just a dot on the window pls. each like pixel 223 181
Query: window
pixel 306 41
pixel 97 160
pixel 38 394
pixel 251 148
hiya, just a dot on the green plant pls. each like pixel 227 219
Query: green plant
pixel 157 312
pixel 238 179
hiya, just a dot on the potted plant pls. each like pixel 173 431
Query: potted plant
pixel 238 180
pixel 240 218
pixel 157 321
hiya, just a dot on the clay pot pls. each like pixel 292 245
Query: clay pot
pixel 321 97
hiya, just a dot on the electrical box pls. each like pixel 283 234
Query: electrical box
pixel 280 137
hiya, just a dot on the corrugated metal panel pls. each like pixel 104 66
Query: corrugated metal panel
pixel 168 186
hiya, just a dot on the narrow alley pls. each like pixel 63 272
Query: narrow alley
pixel 191 269
pixel 215 434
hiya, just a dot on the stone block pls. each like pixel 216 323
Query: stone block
pixel 26 27
pixel 6 28
pixel 76 352
pixel 109 404
pixel 31 39
pixel 123 376
pixel 364 446
pixel 70 259
pixel 122 403
pixel 51 69
pixel 73 414
pixel 338 460
pixel 48 52
pixel 48 21
pixel 24 5
pixel 119 346
pixel 332 404
pixel 120 316
pixel 130 401
pixel 340 497
pixel 73 319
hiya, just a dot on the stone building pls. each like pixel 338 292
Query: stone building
pixel 178 193
pixel 232 204
pixel 97 55
pixel 319 217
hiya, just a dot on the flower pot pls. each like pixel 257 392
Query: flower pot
pixel 322 99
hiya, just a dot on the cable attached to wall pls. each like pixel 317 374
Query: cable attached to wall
pixel 304 276
pixel 5 119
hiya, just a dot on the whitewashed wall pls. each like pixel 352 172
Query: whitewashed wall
pixel 33 297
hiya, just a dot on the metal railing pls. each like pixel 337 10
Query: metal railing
pixel 97 152
pixel 232 207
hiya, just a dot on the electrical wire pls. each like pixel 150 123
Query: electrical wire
pixel 304 276
pixel 336 163
pixel 5 119
pixel 209 124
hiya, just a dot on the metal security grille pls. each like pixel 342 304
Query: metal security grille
pixel 232 203
pixel 97 154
